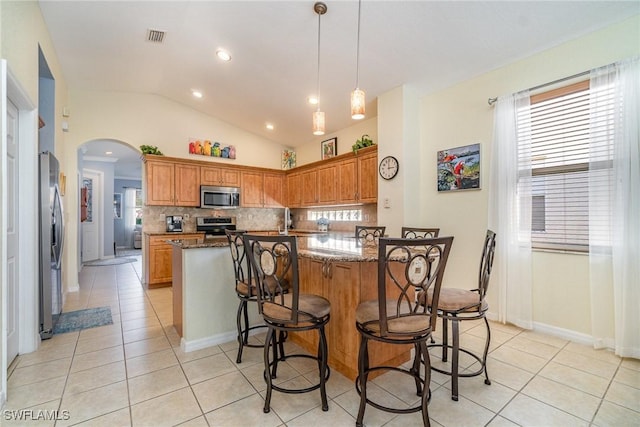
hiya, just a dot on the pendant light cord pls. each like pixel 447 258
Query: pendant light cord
pixel 358 47
pixel 318 82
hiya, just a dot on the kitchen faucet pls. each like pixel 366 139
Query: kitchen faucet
pixel 286 222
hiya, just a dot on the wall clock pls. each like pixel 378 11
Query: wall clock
pixel 388 167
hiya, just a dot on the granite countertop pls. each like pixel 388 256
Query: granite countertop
pixel 215 242
pixel 325 246
pixel 175 233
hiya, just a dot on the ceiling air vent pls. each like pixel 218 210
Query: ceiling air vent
pixel 155 36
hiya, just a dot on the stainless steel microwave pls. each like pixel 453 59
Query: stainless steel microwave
pixel 219 197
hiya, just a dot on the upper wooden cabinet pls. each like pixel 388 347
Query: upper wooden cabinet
pixel 172 184
pixel 310 187
pixel 368 178
pixel 294 190
pixel 262 189
pixel 275 190
pixel 348 181
pixel 328 184
pixel 224 177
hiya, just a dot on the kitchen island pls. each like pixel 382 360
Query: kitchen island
pixel 331 265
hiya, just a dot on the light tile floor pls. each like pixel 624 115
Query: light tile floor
pixel 133 373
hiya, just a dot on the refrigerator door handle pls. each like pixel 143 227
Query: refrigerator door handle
pixel 57 223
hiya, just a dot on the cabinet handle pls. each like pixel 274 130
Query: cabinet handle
pixel 324 268
pixel 330 270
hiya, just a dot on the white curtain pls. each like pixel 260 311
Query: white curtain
pixel 129 215
pixel 510 208
pixel 614 215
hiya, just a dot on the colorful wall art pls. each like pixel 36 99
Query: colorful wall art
pixel 459 168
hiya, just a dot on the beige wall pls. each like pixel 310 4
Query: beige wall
pixel 460 115
pixel 310 152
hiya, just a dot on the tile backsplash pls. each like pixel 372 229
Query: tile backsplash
pixel 252 219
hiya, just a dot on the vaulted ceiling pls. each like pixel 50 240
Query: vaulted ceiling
pixel 102 45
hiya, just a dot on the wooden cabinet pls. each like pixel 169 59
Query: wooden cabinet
pixel 345 180
pixel 275 190
pixel 345 285
pixel 262 189
pixel 158 272
pixel 348 181
pixel 368 178
pixel 252 189
pixel 310 187
pixel 218 176
pixel 294 190
pixel 327 184
pixel 172 184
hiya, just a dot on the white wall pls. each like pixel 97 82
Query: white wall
pixel 460 115
pixel 22 30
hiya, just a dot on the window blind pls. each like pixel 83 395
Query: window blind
pixel 562 125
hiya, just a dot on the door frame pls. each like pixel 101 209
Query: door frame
pixel 29 339
pixel 97 209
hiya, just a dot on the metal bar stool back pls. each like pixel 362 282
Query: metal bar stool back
pixel 419 233
pixel 369 234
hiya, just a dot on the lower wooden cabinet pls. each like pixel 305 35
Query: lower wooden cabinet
pixel 158 260
pixel 345 285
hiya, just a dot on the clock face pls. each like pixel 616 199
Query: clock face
pixel 388 167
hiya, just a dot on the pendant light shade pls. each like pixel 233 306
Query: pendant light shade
pixel 357 96
pixel 318 117
pixel 357 104
pixel 318 123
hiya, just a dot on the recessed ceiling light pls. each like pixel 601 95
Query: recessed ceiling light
pixel 223 55
pixel 196 93
pixel 269 126
pixel 312 99
pixel 108 153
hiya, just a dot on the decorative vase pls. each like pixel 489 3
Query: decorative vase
pixel 323 227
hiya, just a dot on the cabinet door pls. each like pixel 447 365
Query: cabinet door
pixel 348 181
pixel 294 190
pixel 160 258
pixel 310 187
pixel 230 177
pixel 160 183
pixel 343 291
pixel 368 178
pixel 252 189
pixel 187 185
pixel 211 175
pixel 327 184
pixel 274 190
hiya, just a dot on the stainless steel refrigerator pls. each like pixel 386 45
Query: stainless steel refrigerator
pixel 51 243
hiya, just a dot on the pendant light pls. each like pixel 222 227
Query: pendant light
pixel 357 96
pixel 318 116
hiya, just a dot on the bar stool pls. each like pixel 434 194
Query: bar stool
pixel 456 305
pixel 274 261
pixel 419 233
pixel 395 318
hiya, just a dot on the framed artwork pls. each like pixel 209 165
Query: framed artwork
pixel 288 159
pixel 459 168
pixel 329 148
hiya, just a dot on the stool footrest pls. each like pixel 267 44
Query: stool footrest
pixel 408 372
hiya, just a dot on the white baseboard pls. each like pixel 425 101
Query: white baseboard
pixel 212 340
pixel 566 334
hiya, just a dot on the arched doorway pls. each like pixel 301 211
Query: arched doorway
pixel 118 168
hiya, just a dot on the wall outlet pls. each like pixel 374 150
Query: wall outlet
pixel 162 217
pixel 387 203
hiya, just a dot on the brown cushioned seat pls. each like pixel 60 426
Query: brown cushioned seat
pixel 309 307
pixel 458 300
pixel 406 324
